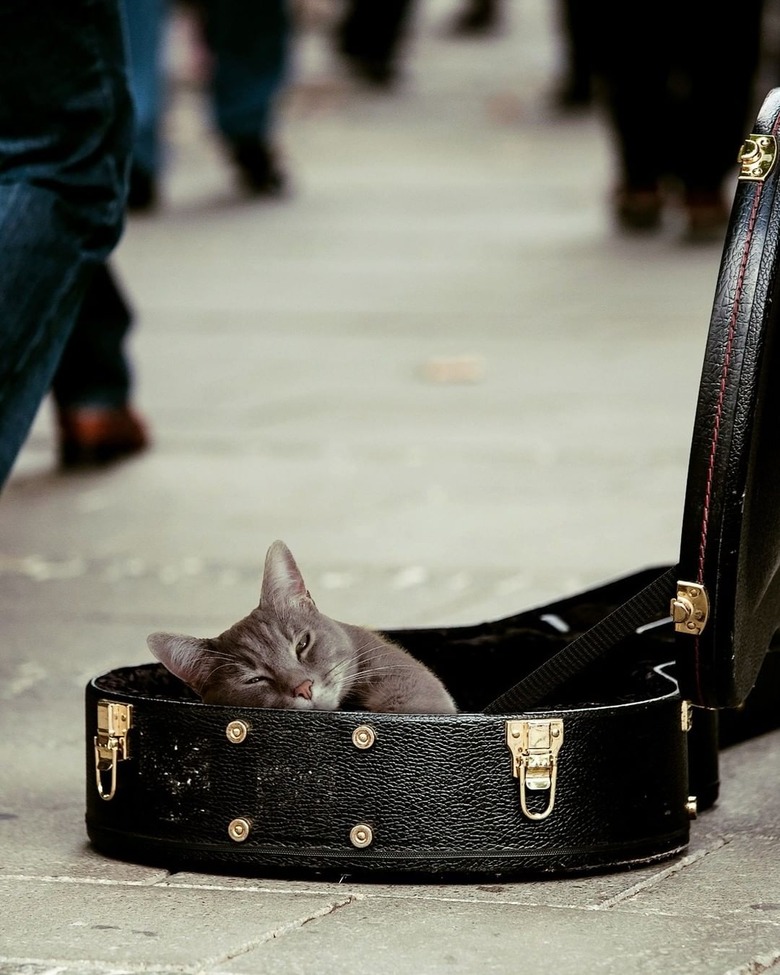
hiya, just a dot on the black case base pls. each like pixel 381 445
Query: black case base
pixel 433 794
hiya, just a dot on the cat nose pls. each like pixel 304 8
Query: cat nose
pixel 303 690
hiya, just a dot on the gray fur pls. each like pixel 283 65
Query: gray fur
pixel 286 654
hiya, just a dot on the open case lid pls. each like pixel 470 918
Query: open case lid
pixel 730 545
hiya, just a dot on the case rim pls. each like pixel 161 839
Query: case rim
pixel 730 541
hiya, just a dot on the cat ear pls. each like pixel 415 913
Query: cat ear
pixel 187 657
pixel 282 579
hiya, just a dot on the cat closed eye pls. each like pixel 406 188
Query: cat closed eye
pixel 257 680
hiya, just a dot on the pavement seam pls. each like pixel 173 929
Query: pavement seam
pixel 650 882
pixel 81 966
pixel 282 931
pixel 99 881
pixel 60 967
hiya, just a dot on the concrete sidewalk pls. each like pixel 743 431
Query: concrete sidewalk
pixel 444 380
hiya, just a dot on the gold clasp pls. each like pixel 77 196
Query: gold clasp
pixel 534 746
pixel 690 609
pixel 757 157
pixel 111 743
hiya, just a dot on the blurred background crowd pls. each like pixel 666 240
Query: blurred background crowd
pixel 658 75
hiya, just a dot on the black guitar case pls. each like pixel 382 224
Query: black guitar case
pixel 591 735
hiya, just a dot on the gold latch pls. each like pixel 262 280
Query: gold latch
pixel 686 716
pixel 534 746
pixel 690 609
pixel 757 157
pixel 111 743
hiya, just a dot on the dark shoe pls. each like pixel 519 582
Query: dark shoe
pixel 92 436
pixel 477 17
pixel 142 191
pixel 376 72
pixel 638 209
pixel 258 168
pixel 707 218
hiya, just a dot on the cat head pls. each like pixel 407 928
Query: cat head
pixel 284 654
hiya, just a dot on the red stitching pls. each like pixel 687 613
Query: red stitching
pixel 724 373
pixel 719 406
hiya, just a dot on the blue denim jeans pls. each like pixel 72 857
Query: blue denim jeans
pixel 146 28
pixel 65 141
pixel 249 41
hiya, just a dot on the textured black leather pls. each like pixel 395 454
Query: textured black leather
pixel 731 525
pixel 437 790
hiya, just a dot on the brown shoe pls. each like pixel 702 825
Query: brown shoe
pixel 91 436
pixel 707 218
pixel 638 209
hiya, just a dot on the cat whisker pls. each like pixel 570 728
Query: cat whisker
pixel 365 652
pixel 378 671
pixel 220 655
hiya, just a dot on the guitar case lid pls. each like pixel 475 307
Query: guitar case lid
pixel 727 606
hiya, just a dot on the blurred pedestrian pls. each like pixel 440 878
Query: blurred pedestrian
pixel 370 36
pixel 474 17
pixel 65 140
pixel 575 89
pixel 678 88
pixel 248 47
pixel 96 423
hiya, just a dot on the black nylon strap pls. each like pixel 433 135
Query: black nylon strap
pixel 648 605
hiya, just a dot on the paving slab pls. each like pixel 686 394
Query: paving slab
pixel 144 925
pixel 371 936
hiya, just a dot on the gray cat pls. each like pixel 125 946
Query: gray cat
pixel 286 654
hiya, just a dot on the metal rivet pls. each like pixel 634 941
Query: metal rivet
pixel 237 731
pixel 361 836
pixel 692 807
pixel 238 830
pixel 363 736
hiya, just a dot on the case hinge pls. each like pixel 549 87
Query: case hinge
pixel 690 608
pixel 534 746
pixel 757 157
pixel 111 744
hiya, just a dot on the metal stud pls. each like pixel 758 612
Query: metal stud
pixel 237 731
pixel 238 830
pixel 692 807
pixel 363 736
pixel 361 836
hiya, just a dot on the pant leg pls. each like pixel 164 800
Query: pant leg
pixel 632 58
pixel 679 86
pixel 575 28
pixel 146 22
pixel 65 134
pixel 715 99
pixel 373 30
pixel 94 370
pixel 250 44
